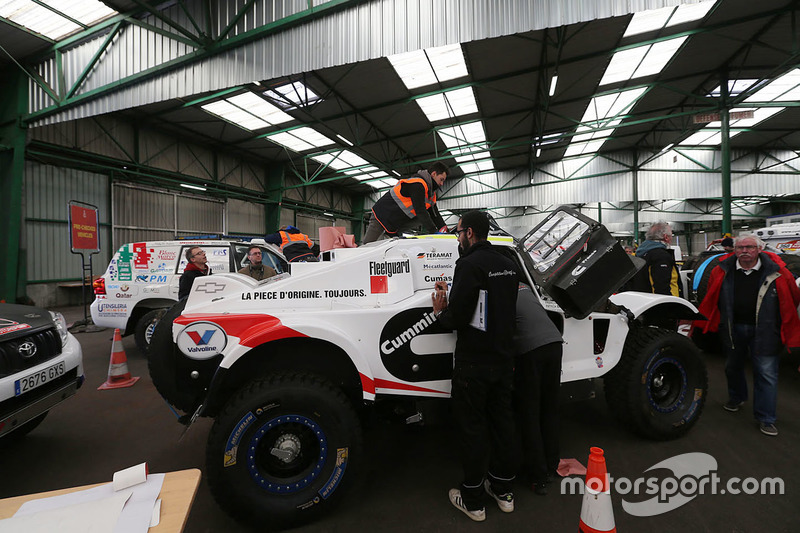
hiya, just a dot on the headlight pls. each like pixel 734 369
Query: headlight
pixel 61 326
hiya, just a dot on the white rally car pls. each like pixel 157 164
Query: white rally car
pixel 285 366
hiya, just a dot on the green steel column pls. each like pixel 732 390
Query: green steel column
pixel 635 185
pixel 725 118
pixel 272 210
pixel 13 100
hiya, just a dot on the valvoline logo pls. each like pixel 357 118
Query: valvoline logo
pixel 202 340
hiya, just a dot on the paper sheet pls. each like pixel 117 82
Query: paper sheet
pixel 134 518
pixel 94 516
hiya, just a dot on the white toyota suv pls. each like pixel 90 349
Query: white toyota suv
pixel 41 365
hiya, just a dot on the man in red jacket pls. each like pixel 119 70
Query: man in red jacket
pixel 752 300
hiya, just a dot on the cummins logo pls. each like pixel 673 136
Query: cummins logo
pixel 389 268
pixel 414 347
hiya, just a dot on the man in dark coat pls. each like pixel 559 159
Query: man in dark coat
pixel 482 308
pixel 197 266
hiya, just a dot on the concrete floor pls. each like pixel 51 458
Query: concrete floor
pixel 409 469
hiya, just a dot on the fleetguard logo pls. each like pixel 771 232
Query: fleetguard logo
pixel 381 271
pixel 202 340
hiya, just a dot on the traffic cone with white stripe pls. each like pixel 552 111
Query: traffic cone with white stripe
pixel 597 513
pixel 118 374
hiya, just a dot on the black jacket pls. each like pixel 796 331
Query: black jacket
pixel 660 274
pixel 483 267
pixel 187 279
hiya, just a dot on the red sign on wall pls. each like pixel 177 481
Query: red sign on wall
pixel 84 231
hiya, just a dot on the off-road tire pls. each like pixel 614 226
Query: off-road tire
pixel 660 385
pixel 284 450
pixel 145 327
pixel 172 372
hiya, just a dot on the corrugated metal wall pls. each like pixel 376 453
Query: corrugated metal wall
pixel 364 31
pixel 245 218
pixel 47 191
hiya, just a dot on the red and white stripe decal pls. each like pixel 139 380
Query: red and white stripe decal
pixel 252 330
pixel 385 384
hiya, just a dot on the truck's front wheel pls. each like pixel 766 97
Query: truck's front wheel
pixel 659 387
pixel 284 450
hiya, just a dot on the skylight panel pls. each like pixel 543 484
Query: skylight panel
pixel 448 105
pixel 735 87
pixel 447 62
pixel 656 19
pixel 659 55
pixel 300 139
pixel 641 61
pixel 471 133
pixel 427 67
pixel 352 159
pixel 711 135
pixel 292 95
pixel 44 21
pixel 227 111
pixel 645 21
pixel 247 111
pixel 289 141
pixel 332 160
pixel 704 137
pixel 602 112
pixel 259 107
pixel 783 89
pixel 690 12
pixel 623 64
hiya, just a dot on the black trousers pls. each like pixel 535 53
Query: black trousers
pixel 481 401
pixel 537 377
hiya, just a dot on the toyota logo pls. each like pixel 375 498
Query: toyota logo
pixel 27 349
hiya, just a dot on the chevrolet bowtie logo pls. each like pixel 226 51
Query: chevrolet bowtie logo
pixel 210 287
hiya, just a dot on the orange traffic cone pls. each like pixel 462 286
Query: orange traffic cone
pixel 597 513
pixel 118 374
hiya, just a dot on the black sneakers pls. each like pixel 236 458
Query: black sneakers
pixel 769 429
pixel 732 406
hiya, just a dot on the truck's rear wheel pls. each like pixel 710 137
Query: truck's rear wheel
pixel 283 450
pixel 660 385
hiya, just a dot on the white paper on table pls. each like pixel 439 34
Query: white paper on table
pixel 94 516
pixel 156 514
pixel 135 516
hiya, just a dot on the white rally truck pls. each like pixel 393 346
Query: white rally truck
pixel 286 366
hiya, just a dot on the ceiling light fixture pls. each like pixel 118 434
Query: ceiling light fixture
pixel 348 143
pixel 195 187
pixel 553 84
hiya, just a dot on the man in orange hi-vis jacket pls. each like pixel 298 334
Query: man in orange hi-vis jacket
pixel 408 205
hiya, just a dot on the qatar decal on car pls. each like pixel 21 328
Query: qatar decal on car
pixel 202 340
